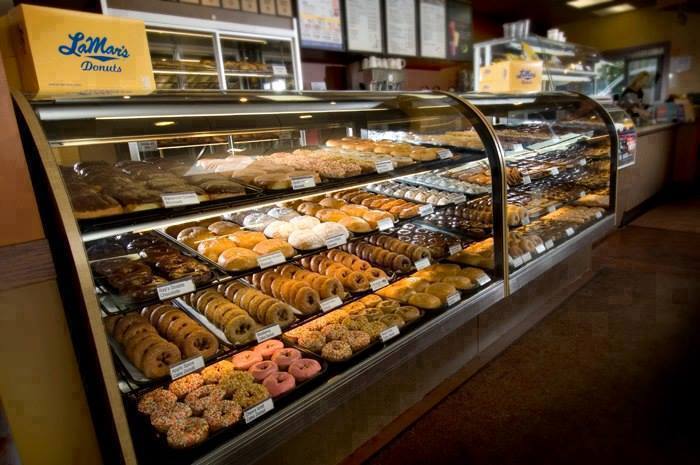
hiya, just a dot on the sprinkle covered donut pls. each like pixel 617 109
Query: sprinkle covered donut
pixel 188 432
pixel 203 397
pixel 164 418
pixel 222 413
pixel 156 400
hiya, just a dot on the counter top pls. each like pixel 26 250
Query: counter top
pixel 644 130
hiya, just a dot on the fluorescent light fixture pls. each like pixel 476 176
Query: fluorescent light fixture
pixel 251 113
pixel 305 116
pixel 289 98
pixel 180 33
pixel 244 39
pixel 586 3
pixel 163 123
pixel 611 10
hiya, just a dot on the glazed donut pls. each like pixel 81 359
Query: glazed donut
pixel 250 394
pixel 213 373
pixel 138 346
pixel 165 418
pixel 373 314
pixel 303 369
pixel 245 359
pixel 267 348
pixel 168 317
pixel 356 281
pixel 188 432
pixel 200 342
pixel 279 313
pixel 388 306
pixel 155 400
pixel 157 359
pixel 136 329
pixel 201 398
pixel 357 340
pixel 278 383
pixel 284 357
pixel 183 386
pixel 393 319
pixel 408 313
pixel 371 300
pixel 123 324
pixel 262 370
pixel 330 287
pixel 307 300
pixel 222 414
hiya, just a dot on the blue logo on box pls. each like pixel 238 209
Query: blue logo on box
pixel 94 48
pixel 526 75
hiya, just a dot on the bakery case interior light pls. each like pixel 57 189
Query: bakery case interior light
pixel 163 123
pixel 611 10
pixel 586 3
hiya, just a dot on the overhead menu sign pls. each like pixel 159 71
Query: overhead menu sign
pixel 432 29
pixel 401 27
pixel 320 25
pixel 364 25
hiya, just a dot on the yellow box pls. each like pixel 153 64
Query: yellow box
pixel 62 52
pixel 511 76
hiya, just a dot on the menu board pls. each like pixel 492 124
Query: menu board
pixel 401 27
pixel 364 25
pixel 320 25
pixel 432 29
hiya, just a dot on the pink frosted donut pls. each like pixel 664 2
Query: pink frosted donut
pixel 262 370
pixel 279 383
pixel 268 347
pixel 246 359
pixel 304 368
pixel 284 357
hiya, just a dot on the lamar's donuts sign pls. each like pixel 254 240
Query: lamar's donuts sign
pixel 61 52
pixel 94 48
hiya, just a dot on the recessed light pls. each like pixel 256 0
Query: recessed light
pixel 611 10
pixel 586 3
pixel 164 123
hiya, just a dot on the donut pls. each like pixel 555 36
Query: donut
pixel 355 322
pixel 393 320
pixel 245 359
pixel 424 300
pixel 188 432
pixel 234 380
pixel 307 300
pixel 262 370
pixel 157 399
pixel 267 348
pixel 138 345
pixel 183 386
pixel 373 329
pixel 250 394
pixel 157 359
pixel 371 300
pixel 164 418
pixel 312 340
pixel 334 332
pixel 200 342
pixel 408 313
pixel 213 373
pixel 357 340
pixel 284 357
pixel 304 368
pixel 279 313
pixel 373 314
pixel 202 398
pixel 240 329
pixel 222 414
pixel 123 324
pixel 278 383
pixel 336 351
pixel 136 329
pixel 388 306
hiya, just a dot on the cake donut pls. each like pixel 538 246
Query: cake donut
pixel 262 370
pixel 155 400
pixel 267 348
pixel 157 359
pixel 164 418
pixel 200 342
pixel 213 373
pixel 183 386
pixel 234 380
pixel 336 351
pixel 278 383
pixel 203 397
pixel 250 394
pixel 246 359
pixel 303 369
pixel 312 340
pixel 188 432
pixel 222 414
pixel 357 340
pixel 284 357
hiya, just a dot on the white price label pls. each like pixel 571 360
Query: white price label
pixel 551 208
pixel 569 232
pixel 279 70
pixel 257 411
pixel 540 248
pixel 175 288
pixel 422 263
pixel 453 298
pixel 336 241
pixel 180 199
pixel 385 223
pixel 384 166
pixel 525 220
pixel 330 303
pixel 598 215
pixel 147 146
pixel 271 259
pixel 526 179
pixel 268 332
pixel 554 171
pixel 425 210
pixel 454 249
pixel 377 284
pixel 527 256
pixel 389 333
pixel 549 244
pixel 483 279
pixel 185 367
pixel 444 154
pixel 517 147
pixel 516 262
pixel 582 194
pixel 582 162
pixel 302 182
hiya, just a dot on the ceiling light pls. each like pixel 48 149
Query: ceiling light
pixel 243 99
pixel 305 116
pixel 586 3
pixel 164 123
pixel 621 8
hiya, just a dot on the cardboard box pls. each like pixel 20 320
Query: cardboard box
pixel 511 76
pixel 62 52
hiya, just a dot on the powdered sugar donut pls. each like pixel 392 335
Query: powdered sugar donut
pixel 279 230
pixel 304 222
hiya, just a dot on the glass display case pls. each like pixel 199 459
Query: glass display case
pixel 626 134
pixel 566 66
pixel 237 263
